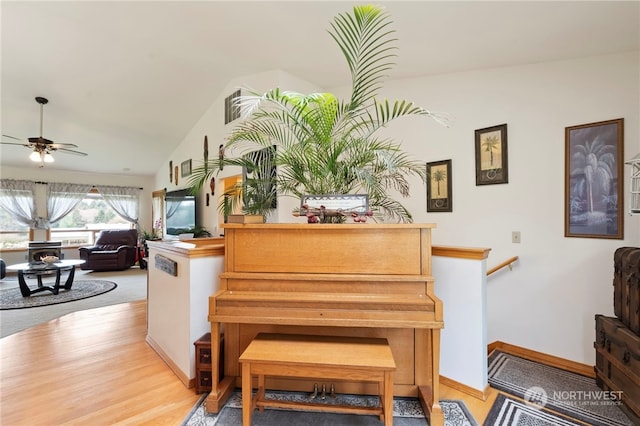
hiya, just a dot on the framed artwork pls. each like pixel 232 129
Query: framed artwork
pixel 185 168
pixel 491 155
pixel 593 181
pixel 358 203
pixel 439 196
pixel 205 153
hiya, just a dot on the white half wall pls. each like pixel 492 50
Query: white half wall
pixel 461 284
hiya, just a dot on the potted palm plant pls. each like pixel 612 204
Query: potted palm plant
pixel 319 144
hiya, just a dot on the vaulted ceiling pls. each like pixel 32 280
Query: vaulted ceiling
pixel 127 80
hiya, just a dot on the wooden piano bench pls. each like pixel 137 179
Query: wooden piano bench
pixel 321 357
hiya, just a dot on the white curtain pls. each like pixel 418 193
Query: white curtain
pixel 124 200
pixel 17 199
pixel 62 198
pixel 172 208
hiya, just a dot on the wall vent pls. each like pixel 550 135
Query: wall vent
pixel 231 107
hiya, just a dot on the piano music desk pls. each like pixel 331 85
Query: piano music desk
pixel 317 357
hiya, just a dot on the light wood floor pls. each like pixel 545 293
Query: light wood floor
pixel 94 368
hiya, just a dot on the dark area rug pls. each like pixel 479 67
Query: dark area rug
pixel 542 386
pixel 11 298
pixel 511 412
pixel 406 412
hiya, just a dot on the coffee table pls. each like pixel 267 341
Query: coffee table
pixel 41 269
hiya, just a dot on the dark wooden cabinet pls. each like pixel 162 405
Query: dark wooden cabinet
pixel 204 363
pixel 626 287
pixel 618 339
pixel 618 362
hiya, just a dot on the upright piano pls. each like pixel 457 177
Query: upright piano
pixel 368 280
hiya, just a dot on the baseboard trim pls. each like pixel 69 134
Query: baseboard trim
pixel 189 383
pixel 551 360
pixel 478 394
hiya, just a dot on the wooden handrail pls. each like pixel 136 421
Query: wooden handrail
pixel 502 265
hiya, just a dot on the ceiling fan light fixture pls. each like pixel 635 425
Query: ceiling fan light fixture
pixel 41 146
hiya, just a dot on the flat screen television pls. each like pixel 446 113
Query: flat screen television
pixel 181 209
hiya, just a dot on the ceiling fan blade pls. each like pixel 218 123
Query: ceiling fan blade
pixel 61 145
pixel 11 137
pixel 50 144
pixel 70 151
pixel 14 143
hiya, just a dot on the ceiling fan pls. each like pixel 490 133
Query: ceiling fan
pixel 42 147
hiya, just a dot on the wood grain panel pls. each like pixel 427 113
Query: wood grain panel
pixel 342 251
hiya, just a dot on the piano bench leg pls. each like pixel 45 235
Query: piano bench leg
pixel 247 400
pixel 387 395
pixel 260 393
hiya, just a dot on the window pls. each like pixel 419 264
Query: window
pixel 76 212
pixel 17 212
pixel 85 221
pixel 13 235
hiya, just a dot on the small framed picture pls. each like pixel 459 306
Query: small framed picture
pixel 491 155
pixel 439 179
pixel 593 181
pixel 185 168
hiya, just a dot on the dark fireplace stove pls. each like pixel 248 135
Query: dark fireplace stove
pixel 40 249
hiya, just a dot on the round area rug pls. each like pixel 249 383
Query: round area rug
pixel 11 298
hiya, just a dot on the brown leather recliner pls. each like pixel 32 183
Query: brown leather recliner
pixel 114 250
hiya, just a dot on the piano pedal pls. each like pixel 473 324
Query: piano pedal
pixel 314 395
pixel 323 395
pixel 332 393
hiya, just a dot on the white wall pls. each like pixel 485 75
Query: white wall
pixel 178 305
pixel 548 302
pixel 461 284
pixel 537 102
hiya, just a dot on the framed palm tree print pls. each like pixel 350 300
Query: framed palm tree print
pixel 594 180
pixel 491 155
pixel 439 197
